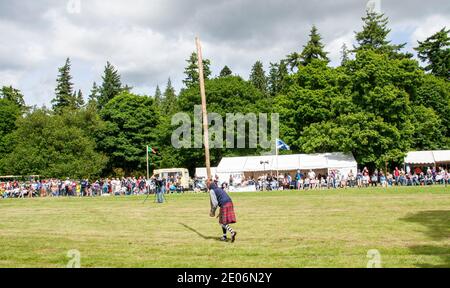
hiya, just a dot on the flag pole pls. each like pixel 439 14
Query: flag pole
pixel 277 153
pixel 204 110
pixel 148 169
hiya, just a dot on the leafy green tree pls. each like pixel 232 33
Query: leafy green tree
pixel 191 71
pixel 9 113
pixel 131 125
pixel 258 77
pixel 315 93
pixel 13 95
pixel 320 110
pixel 225 95
pixel 225 72
pixel 377 123
pixel 64 89
pixel 53 146
pixel 428 129
pixel 374 36
pixel 372 141
pixel 435 51
pixel 384 86
pixel 434 93
pixel 111 87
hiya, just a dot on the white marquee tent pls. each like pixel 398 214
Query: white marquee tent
pixel 258 165
pixel 428 158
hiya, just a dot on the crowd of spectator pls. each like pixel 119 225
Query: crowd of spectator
pixel 86 188
pixel 361 179
pixel 302 181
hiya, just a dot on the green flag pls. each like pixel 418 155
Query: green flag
pixel 153 150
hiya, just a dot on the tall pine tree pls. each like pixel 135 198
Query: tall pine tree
pixel 345 54
pixel 277 77
pixel 191 71
pixel 273 79
pixel 79 99
pixel 258 77
pixel 65 96
pixel 374 37
pixel 314 49
pixel 93 97
pixel 435 51
pixel 158 96
pixel 294 61
pixel 226 71
pixel 111 87
pixel 169 99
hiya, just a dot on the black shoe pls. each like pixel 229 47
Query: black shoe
pixel 233 237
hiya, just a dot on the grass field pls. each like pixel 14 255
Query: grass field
pixel 409 226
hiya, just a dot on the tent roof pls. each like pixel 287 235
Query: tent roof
pixel 420 157
pixel 442 156
pixel 232 165
pixel 254 163
pixel 202 173
pixel 341 160
pixel 428 157
pixel 316 161
pixel 286 163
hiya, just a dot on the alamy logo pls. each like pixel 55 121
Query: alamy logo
pixel 375 259
pixel 234 128
pixel 74 6
pixel 374 6
pixel 74 259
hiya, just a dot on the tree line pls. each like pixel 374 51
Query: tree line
pixel 377 104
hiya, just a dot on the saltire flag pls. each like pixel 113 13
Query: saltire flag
pixel 282 146
pixel 154 151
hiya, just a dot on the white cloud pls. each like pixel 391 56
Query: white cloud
pixel 8 78
pixel 19 48
pixel 431 25
pixel 334 48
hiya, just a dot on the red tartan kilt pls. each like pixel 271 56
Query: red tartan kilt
pixel 227 215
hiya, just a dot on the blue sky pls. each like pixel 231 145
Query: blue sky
pixel 148 41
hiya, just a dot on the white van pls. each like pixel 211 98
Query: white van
pixel 174 173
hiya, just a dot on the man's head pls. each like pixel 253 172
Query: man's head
pixel 211 184
pixel 208 183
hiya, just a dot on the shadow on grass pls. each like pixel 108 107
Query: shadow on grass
pixel 438 225
pixel 198 233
